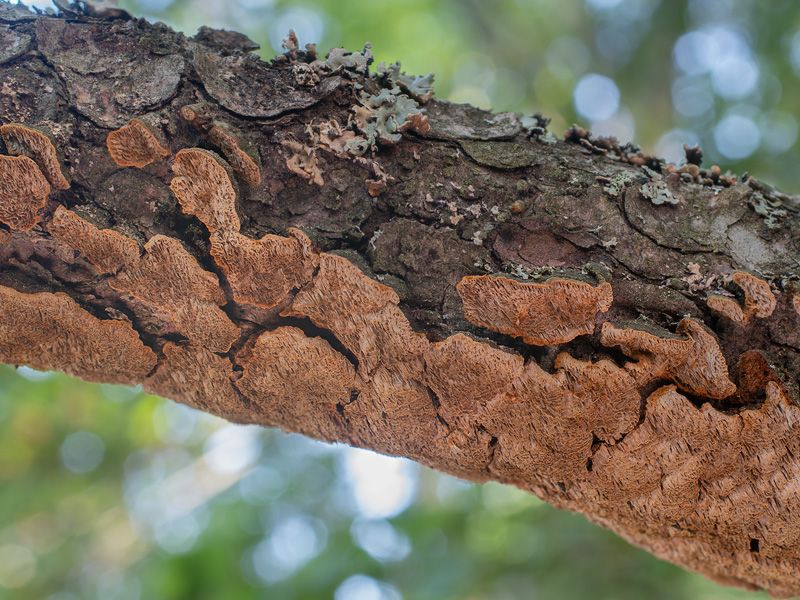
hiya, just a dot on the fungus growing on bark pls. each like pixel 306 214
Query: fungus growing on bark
pixel 50 331
pixel 21 140
pixel 796 303
pixel 166 277
pixel 728 307
pixel 696 364
pixel 169 279
pixel 198 378
pixel 362 314
pixel 603 397
pixel 726 479
pixel 465 374
pixel 242 156
pixel 240 160
pixel 108 250
pixel 759 301
pixel 204 189
pixel 134 145
pixel 260 272
pixel 23 191
pixel 297 381
pixel 541 314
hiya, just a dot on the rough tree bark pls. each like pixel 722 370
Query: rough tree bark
pixel 306 245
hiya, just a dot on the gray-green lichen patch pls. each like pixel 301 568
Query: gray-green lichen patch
pixel 451 121
pixel 616 184
pixel 771 209
pixel 12 44
pixel 383 116
pixel 656 189
pixel 339 60
pixel 500 155
pixel 418 87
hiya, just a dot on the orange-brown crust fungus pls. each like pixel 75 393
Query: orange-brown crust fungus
pixel 263 272
pixel 134 145
pixel 108 250
pixel 796 303
pixel 696 364
pixel 759 301
pixel 166 277
pixel 24 141
pixel 541 314
pixel 50 331
pixel 204 189
pixel 23 192
pixel 260 272
pixel 198 378
pixel 602 396
pixel 296 382
pixel 712 492
pixel 240 160
pixel 170 279
pixel 465 374
pixel 362 313
pixel 727 307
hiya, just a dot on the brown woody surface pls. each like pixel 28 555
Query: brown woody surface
pixel 329 295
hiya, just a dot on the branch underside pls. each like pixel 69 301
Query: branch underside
pixel 304 245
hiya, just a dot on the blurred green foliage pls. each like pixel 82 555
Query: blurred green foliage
pixel 110 494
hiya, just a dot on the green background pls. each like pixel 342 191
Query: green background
pixel 107 493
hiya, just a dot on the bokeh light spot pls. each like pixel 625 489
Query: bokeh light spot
pixel 736 137
pixel 361 587
pixel 380 539
pixel 233 448
pixel 596 97
pixel 383 486
pixel 82 452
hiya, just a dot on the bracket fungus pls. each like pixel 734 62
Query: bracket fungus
pixel 696 364
pixel 759 301
pixel 291 378
pixel 170 279
pixel 23 192
pixel 243 160
pixel 240 160
pixel 134 145
pixel 260 272
pixel 541 314
pixel 21 140
pixel 166 277
pixel 50 331
pixel 199 378
pixel 106 249
pixel 362 314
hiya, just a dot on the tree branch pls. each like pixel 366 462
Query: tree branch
pixel 306 245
